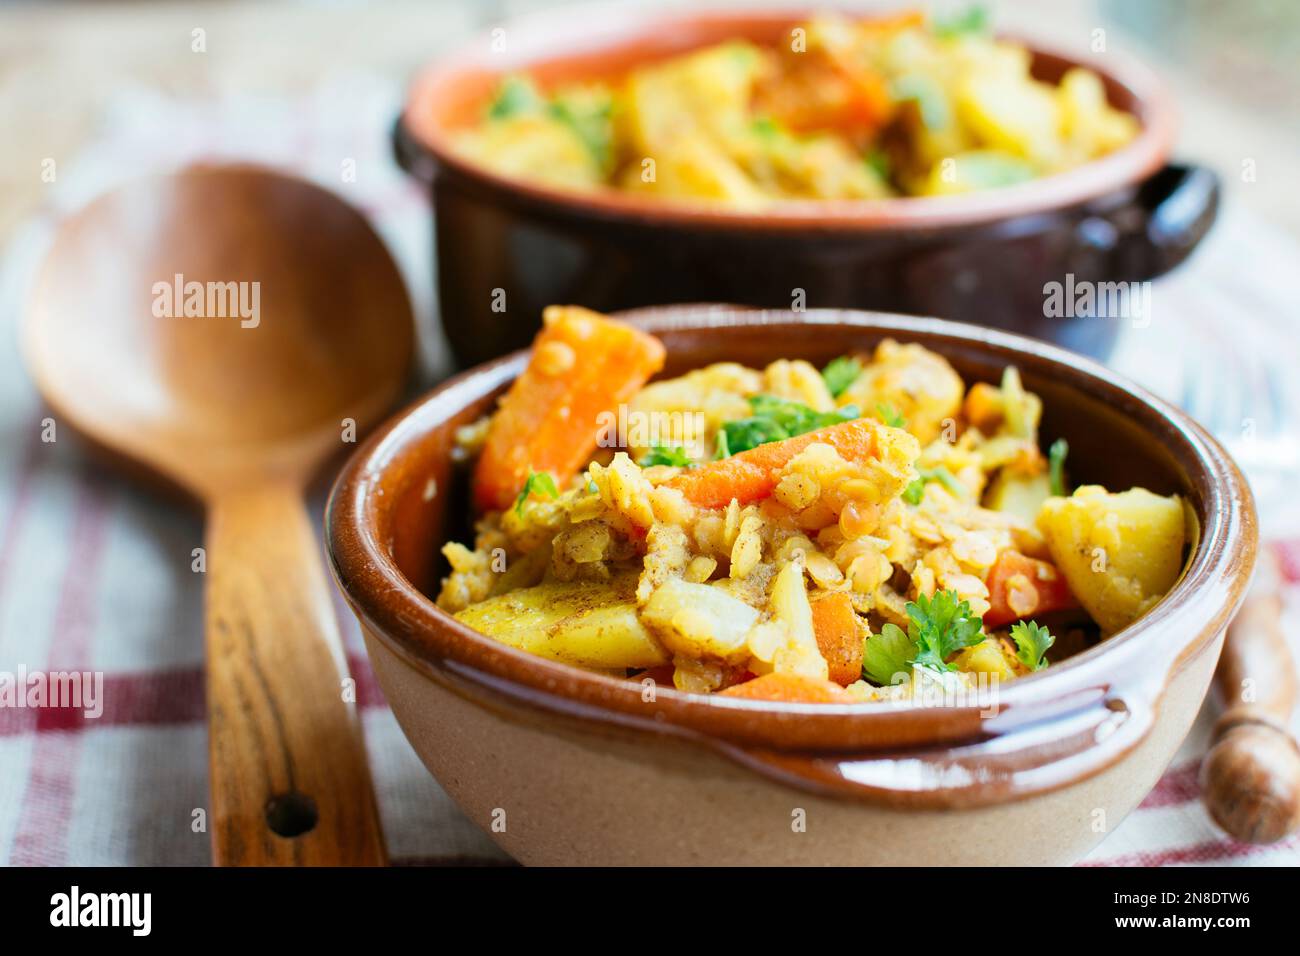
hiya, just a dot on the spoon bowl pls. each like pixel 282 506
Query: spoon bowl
pixel 229 328
pixel 219 325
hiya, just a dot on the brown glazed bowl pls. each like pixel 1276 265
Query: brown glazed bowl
pixel 983 258
pixel 563 766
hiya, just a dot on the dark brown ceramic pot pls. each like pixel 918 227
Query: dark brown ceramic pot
pixel 984 259
pixel 586 769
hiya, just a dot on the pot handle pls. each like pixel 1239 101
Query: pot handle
pixel 1167 218
pixel 1021 754
pixel 410 154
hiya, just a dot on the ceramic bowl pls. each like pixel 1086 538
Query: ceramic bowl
pixel 506 248
pixel 562 766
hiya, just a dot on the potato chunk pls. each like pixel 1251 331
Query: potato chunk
pixel 589 624
pixel 787 644
pixel 700 620
pixel 533 146
pixel 1120 552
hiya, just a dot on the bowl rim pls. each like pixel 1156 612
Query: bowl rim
pixel 607 26
pixel 1132 667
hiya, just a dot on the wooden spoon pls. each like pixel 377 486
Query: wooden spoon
pixel 305 342
pixel 1251 776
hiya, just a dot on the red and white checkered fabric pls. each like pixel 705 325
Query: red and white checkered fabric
pixel 95 574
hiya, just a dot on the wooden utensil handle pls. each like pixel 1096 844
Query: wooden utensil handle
pixel 289 780
pixel 1256 673
pixel 1251 776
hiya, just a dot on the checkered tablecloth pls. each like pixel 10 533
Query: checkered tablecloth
pixel 95 574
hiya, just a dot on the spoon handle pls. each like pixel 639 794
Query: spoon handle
pixel 289 780
pixel 1251 776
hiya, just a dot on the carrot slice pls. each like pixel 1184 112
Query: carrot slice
pixel 838 637
pixel 832 88
pixel 1021 586
pixel 582 367
pixel 790 688
pixel 752 475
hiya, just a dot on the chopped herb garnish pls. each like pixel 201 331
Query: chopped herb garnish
pixel 588 118
pixel 515 96
pixel 973 20
pixel 775 419
pixel 993 170
pixel 878 162
pixel 889 415
pixel 887 654
pixel 914 492
pixel 1056 465
pixel 538 482
pixel 840 373
pixel 938 627
pixel 1032 643
pixel 591 122
pixel 673 455
pixel 746 433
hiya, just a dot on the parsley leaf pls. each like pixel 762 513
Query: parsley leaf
pixel 1032 642
pixel 766 127
pixel 889 415
pixel 878 162
pixel 1056 465
pixel 746 433
pixel 516 95
pixel 591 122
pixel 887 654
pixel 775 419
pixel 587 117
pixel 673 455
pixel 840 373
pixel 974 19
pixel 940 626
pixel 538 482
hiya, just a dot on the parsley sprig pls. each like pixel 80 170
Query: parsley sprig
pixel 937 628
pixel 887 655
pixel 775 419
pixel 589 120
pixel 840 373
pixel 515 96
pixel 973 20
pixel 1032 643
pixel 890 415
pixel 673 455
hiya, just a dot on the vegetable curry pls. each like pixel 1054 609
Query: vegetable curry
pixel 789 532
pixel 846 109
